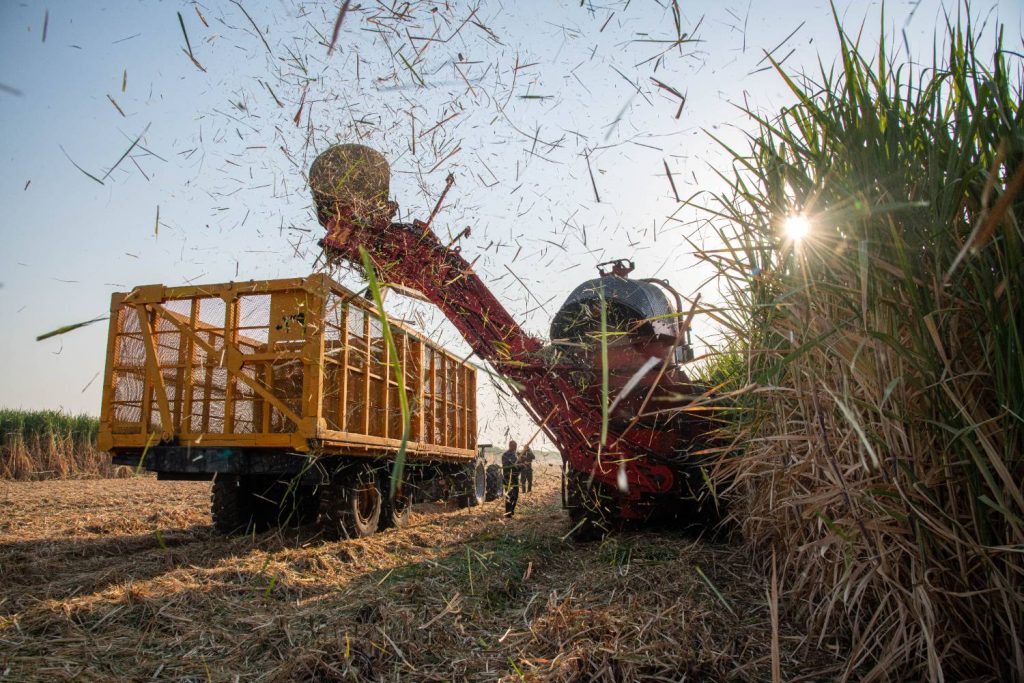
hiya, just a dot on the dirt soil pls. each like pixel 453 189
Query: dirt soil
pixel 125 579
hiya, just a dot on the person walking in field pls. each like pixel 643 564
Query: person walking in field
pixel 526 469
pixel 510 477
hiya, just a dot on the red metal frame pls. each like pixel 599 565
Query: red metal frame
pixel 412 256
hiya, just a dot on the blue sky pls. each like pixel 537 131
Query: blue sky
pixel 514 102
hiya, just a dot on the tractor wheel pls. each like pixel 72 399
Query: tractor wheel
pixel 396 511
pixel 493 483
pixel 588 506
pixel 350 506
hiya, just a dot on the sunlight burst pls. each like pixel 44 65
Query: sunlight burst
pixel 796 227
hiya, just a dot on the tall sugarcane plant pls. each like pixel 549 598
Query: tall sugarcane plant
pixel 872 259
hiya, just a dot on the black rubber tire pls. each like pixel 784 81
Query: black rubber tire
pixel 464 486
pixel 589 508
pixel 396 511
pixel 493 483
pixel 232 505
pixel 350 506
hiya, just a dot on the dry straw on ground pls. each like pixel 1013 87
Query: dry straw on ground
pixel 881 451
pixel 134 585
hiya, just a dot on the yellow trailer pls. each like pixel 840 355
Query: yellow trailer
pixel 283 392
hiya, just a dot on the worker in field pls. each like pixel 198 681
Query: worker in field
pixel 510 476
pixel 526 468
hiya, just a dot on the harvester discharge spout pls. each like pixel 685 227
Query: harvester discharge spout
pixel 628 451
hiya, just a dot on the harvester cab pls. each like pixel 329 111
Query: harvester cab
pixel 641 315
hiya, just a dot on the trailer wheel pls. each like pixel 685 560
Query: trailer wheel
pixel 588 507
pixel 396 511
pixel 493 489
pixel 350 506
pixel 464 484
pixel 233 505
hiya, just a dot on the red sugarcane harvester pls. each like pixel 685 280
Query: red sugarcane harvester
pixel 609 390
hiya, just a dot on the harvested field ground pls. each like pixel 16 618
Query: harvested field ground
pixel 126 579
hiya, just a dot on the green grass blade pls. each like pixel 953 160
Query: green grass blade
pixel 396 367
